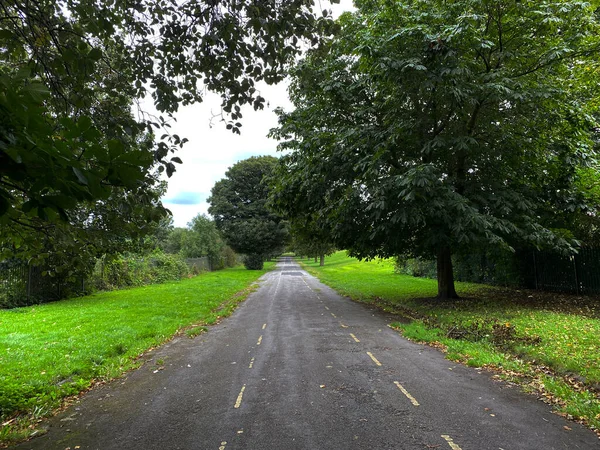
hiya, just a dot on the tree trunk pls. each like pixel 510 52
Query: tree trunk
pixel 322 260
pixel 445 275
pixel 315 259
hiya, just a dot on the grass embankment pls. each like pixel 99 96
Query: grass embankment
pixel 52 351
pixel 549 343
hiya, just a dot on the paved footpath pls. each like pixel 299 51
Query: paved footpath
pixel 299 367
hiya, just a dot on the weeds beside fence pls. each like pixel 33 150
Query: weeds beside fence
pixel 22 284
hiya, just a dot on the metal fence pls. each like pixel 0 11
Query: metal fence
pixel 22 284
pixel 201 264
pixel 578 274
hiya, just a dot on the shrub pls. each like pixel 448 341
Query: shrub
pixel 136 270
pixel 229 257
pixel 254 261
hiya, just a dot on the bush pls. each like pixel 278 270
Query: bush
pixel 229 257
pixel 417 267
pixel 136 270
pixel 253 261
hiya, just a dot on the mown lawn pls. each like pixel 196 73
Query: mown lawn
pixel 550 343
pixel 55 350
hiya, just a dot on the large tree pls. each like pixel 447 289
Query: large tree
pixel 71 76
pixel 310 238
pixel 238 204
pixel 428 127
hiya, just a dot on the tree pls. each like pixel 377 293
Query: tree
pixel 203 240
pixel 71 73
pixel 238 204
pixel 309 238
pixel 428 127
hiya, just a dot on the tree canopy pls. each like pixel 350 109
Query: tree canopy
pixel 73 139
pixel 238 204
pixel 427 127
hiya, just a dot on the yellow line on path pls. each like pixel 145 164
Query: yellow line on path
pixel 405 392
pixel 343 326
pixel 264 326
pixel 334 315
pixel 238 402
pixel 327 308
pixel 251 363
pixel 354 337
pixel 450 442
pixel 222 446
pixel 373 358
pixel 259 340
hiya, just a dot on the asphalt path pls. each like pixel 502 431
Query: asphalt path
pixel 299 367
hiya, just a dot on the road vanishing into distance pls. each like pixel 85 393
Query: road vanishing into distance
pixel 299 367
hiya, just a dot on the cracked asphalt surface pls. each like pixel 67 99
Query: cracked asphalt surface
pixel 299 367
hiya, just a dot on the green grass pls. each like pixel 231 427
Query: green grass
pixel 52 351
pixel 552 339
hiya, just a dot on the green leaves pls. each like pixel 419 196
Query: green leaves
pixel 426 125
pixel 239 205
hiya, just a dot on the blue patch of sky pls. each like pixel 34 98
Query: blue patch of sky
pixel 185 198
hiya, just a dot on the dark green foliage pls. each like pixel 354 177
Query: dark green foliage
pixel 254 261
pixel 239 205
pixel 78 157
pixel 136 270
pixel 203 239
pixel 429 128
pixel 309 237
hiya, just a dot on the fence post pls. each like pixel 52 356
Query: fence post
pixel 28 282
pixel 576 277
pixel 535 276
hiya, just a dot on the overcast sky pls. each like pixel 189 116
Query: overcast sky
pixel 211 150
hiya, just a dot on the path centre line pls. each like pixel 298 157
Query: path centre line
pixel 334 316
pixel 238 402
pixel 259 340
pixel 327 308
pixel 374 359
pixel 251 363
pixel 222 446
pixel 450 442
pixel 343 326
pixel 354 337
pixel 405 392
pixel 264 326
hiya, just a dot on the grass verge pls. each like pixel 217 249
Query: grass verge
pixel 549 343
pixel 53 351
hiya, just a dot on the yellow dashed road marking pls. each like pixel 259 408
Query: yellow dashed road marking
pixel 334 315
pixel 405 392
pixel 327 308
pixel 354 337
pixel 264 326
pixel 238 402
pixel 450 442
pixel 343 326
pixel 373 358
pixel 259 340
pixel 251 363
pixel 223 444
